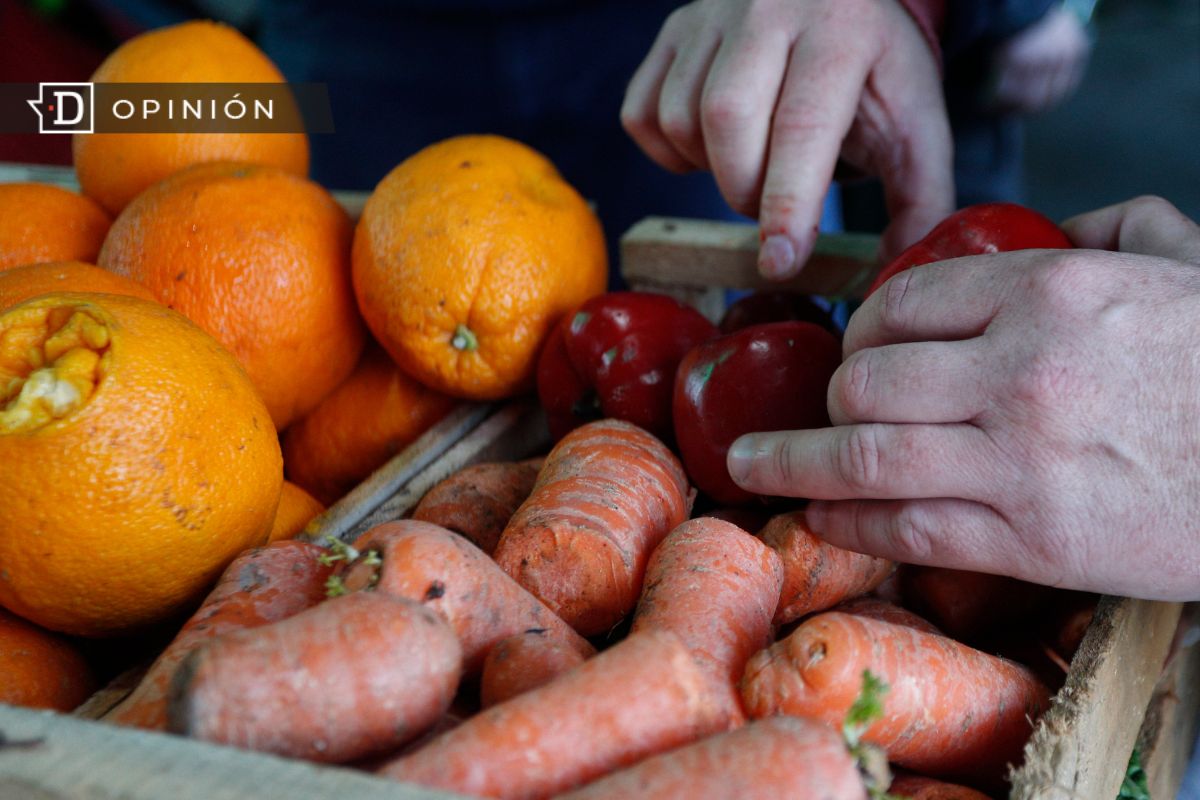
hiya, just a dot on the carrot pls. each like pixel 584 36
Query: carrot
pixel 769 759
pixel 715 586
pixel 521 663
pixel 919 787
pixel 951 710
pixel 970 605
pixel 477 502
pixel 875 608
pixel 643 696
pixel 347 678
pixel 422 562
pixel 607 495
pixel 817 575
pixel 263 585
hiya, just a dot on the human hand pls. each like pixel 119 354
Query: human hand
pixel 1042 65
pixel 1033 414
pixel 768 93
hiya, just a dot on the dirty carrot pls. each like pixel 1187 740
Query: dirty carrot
pixel 919 787
pixel 607 495
pixel 781 757
pixel 350 677
pixel 431 565
pixel 716 587
pixel 263 585
pixel 817 575
pixel 643 696
pixel 521 663
pixel 951 711
pixel 478 501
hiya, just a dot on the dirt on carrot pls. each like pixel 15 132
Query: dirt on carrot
pixel 643 696
pixel 261 586
pixel 522 663
pixel 952 711
pixel 445 572
pixel 350 677
pixel 770 759
pixel 716 587
pixel 817 575
pixel 607 495
pixel 477 502
pixel 876 608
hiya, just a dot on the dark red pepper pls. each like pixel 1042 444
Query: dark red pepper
pixel 770 377
pixel 776 306
pixel 616 357
pixel 979 230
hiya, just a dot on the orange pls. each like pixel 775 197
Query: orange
pixel 261 260
pixel 375 414
pixel 114 167
pixel 40 669
pixel 137 459
pixel 23 283
pixel 466 255
pixel 46 223
pixel 296 508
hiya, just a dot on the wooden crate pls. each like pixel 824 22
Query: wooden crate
pixel 1113 696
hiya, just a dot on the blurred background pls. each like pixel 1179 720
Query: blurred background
pixel 1132 127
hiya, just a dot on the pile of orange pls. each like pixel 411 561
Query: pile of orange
pixel 159 331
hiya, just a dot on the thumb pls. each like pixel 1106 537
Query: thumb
pixel 1147 226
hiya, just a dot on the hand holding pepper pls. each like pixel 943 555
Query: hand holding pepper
pixel 1030 414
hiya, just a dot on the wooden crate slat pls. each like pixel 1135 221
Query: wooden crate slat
pixel 512 433
pixel 1081 746
pixel 1169 730
pixel 342 519
pixel 700 255
pixel 68 757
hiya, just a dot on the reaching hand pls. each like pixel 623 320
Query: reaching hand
pixel 1034 414
pixel 768 93
pixel 1042 65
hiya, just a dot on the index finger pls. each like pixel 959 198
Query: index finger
pixel 816 107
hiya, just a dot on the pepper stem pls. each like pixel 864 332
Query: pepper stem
pixel 464 339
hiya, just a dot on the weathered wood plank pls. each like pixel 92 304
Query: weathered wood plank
pixel 343 518
pixel 1169 729
pixel 48 756
pixel 1082 744
pixel 514 432
pixel 697 255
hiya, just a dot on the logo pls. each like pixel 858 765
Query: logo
pixel 63 107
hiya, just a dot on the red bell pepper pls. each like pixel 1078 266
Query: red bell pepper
pixel 616 357
pixel 769 377
pixel 979 230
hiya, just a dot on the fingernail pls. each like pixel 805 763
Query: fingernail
pixel 777 258
pixel 740 458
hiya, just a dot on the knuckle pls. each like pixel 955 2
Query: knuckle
pixel 909 537
pixel 1046 382
pixel 1150 205
pixel 725 111
pixel 676 123
pixel 783 461
pixel 858 459
pixel 799 123
pixel 894 310
pixel 855 385
pixel 1060 281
